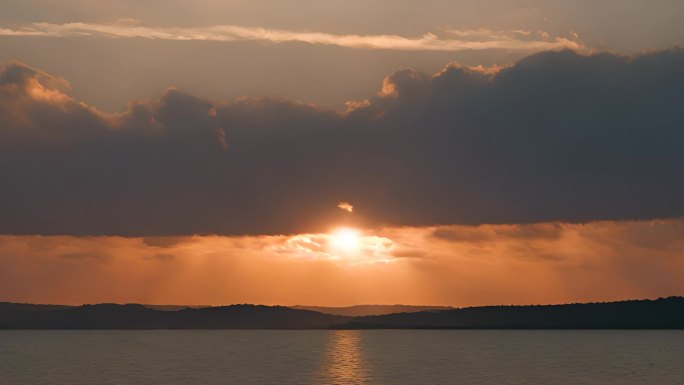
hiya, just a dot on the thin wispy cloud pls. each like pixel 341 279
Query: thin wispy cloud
pixel 346 206
pixel 448 40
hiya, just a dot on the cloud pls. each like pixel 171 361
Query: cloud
pixel 371 249
pixel 492 264
pixel 558 136
pixel 485 233
pixel 164 242
pixel 85 256
pixel 161 257
pixel 484 39
pixel 346 206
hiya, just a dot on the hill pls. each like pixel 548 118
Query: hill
pixel 365 310
pixel 134 316
pixel 663 313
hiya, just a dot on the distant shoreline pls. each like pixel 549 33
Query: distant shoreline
pixel 659 314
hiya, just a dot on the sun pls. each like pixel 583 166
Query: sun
pixel 345 240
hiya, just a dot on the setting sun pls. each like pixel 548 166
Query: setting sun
pixel 345 240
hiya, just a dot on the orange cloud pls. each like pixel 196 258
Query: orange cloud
pixel 447 265
pixel 464 40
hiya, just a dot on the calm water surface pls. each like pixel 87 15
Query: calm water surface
pixel 399 357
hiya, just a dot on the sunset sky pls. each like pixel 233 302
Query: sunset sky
pixel 337 153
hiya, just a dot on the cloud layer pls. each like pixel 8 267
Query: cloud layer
pixel 447 265
pixel 557 136
pixel 453 40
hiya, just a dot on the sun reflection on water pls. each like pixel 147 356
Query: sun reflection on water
pixel 343 363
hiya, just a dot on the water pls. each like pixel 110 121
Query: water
pixel 399 357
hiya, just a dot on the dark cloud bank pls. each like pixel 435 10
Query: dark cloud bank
pixel 557 137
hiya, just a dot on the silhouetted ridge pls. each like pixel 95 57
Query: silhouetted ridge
pixel 664 313
pixel 135 316
pixel 255 317
pixel 11 306
pixel 365 310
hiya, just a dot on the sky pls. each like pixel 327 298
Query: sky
pixel 337 153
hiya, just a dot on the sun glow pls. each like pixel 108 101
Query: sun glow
pixel 345 245
pixel 345 240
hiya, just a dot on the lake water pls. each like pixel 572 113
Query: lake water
pixel 399 357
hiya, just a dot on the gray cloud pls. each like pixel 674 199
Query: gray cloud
pixel 164 242
pixel 488 233
pixel 556 137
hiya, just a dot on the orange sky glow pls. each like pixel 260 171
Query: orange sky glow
pixel 448 265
